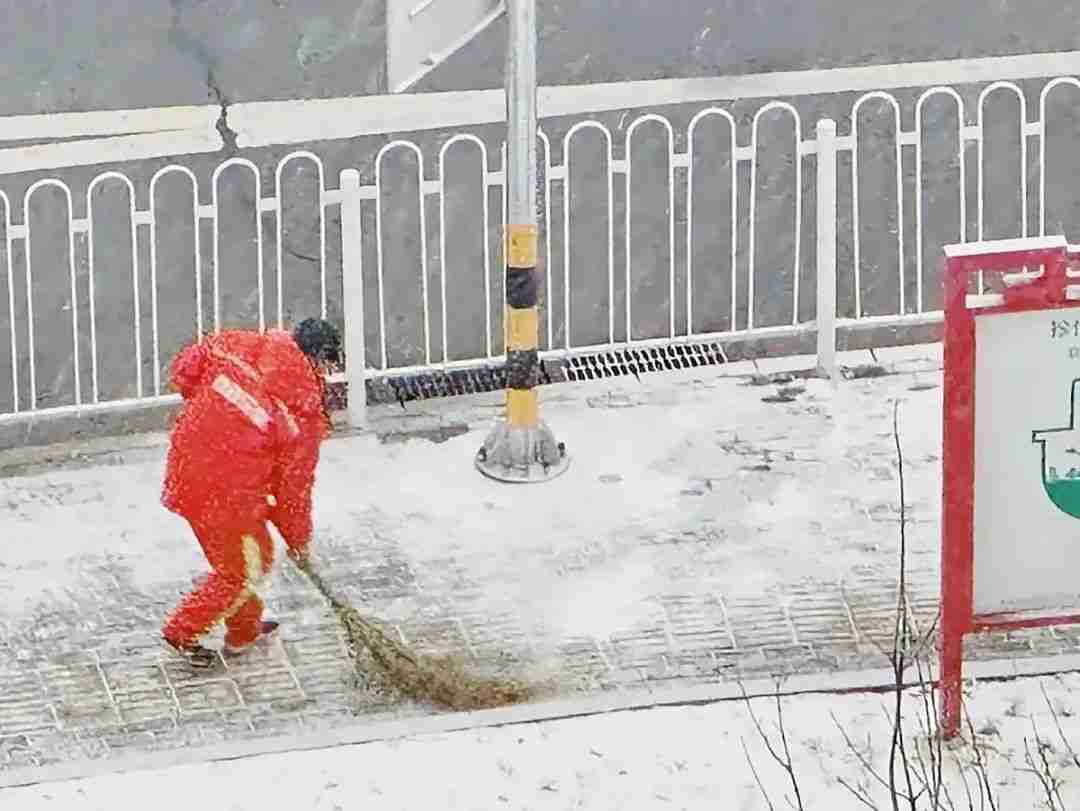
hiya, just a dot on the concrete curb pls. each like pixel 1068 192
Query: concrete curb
pixel 638 699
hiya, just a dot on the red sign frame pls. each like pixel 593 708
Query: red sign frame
pixel 1048 291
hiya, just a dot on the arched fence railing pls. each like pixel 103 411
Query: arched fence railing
pixel 698 222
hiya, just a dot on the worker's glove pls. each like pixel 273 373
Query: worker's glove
pixel 300 555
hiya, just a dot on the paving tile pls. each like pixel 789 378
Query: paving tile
pixel 88 677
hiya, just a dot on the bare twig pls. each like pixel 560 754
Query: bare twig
pixel 1057 723
pixel 923 771
pixel 784 760
pixel 901 641
pixel 924 640
pixel 933 777
pixel 929 774
pixel 757 778
pixel 981 770
pixel 877 644
pixel 859 794
pixel 867 766
pixel 897 745
pixel 787 751
pixel 1043 771
pixel 961 769
pixel 910 776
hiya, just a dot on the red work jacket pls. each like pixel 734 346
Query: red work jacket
pixel 246 443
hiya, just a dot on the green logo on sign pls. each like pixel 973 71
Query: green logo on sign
pixel 1061 462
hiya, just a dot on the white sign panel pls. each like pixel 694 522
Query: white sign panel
pixel 1027 462
pixel 421 34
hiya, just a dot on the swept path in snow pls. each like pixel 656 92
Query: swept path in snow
pixel 706 527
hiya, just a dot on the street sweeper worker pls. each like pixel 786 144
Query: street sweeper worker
pixel 242 453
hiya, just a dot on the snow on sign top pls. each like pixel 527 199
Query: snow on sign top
pixel 422 34
pixel 1004 246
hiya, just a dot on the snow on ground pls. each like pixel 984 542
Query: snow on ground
pixel 55 522
pixel 678 757
pixel 788 490
pixel 773 482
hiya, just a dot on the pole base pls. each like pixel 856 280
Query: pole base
pixel 522 455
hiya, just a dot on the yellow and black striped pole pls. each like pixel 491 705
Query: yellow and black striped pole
pixel 521 448
pixel 522 326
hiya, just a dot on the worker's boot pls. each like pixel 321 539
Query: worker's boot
pixel 195 655
pixel 267 628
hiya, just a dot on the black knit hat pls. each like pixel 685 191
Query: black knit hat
pixel 319 340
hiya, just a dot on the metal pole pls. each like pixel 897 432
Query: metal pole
pixel 521 112
pixel 521 448
pixel 522 278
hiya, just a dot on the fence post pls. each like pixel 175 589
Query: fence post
pixel 826 247
pixel 352 271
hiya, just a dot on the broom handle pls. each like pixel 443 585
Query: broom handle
pixel 333 599
pixel 318 582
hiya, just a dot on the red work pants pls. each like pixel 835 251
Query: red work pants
pixel 240 558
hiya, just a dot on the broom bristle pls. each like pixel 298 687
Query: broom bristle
pixel 442 680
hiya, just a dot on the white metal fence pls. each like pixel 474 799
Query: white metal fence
pixel 836 186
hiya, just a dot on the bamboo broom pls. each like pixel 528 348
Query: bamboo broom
pixel 441 680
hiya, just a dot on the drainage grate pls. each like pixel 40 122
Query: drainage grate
pixel 609 363
pixel 634 362
pixel 428 385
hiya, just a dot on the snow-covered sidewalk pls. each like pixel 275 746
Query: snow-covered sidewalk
pixel 707 526
pixel 688 757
